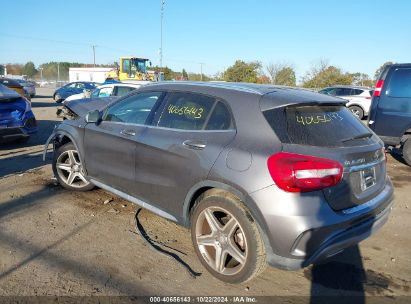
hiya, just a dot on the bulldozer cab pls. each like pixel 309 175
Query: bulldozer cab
pixel 132 68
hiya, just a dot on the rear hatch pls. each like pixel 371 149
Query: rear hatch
pixel 331 131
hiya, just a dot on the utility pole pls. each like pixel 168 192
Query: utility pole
pixel 94 55
pixel 201 69
pixel 58 72
pixel 162 2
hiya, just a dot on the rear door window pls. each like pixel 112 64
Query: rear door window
pixel 186 111
pixel 326 126
pixel 400 83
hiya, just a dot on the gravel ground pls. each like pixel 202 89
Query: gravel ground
pixel 60 243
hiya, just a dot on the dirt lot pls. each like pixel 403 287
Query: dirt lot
pixel 56 242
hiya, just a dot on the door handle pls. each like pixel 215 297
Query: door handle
pixel 128 132
pixel 197 145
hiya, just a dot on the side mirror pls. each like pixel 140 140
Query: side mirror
pixel 150 63
pixel 93 116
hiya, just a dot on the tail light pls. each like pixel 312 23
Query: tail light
pixel 378 87
pixel 302 173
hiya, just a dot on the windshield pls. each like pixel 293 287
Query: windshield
pixel 140 65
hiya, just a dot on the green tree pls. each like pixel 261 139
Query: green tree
pixel 281 73
pixel 29 69
pixel 323 75
pixel 380 69
pixel 286 76
pixel 243 72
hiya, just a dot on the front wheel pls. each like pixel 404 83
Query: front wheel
pixel 226 238
pixel 68 169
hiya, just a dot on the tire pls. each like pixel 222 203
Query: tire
pixel 357 111
pixel 235 234
pixel 57 98
pixel 406 151
pixel 68 169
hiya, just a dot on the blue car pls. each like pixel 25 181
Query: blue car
pixel 17 120
pixel 73 88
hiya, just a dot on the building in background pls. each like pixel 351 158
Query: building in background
pixel 88 74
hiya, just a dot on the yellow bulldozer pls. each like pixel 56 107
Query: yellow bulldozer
pixel 134 68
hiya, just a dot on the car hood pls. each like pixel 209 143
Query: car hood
pixel 82 106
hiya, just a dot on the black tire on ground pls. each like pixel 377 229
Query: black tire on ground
pixel 406 151
pixel 61 155
pixel 247 232
pixel 357 111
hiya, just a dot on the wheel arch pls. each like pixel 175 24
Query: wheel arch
pixel 61 137
pixel 206 185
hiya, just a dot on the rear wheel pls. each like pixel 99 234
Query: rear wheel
pixel 68 169
pixel 357 111
pixel 226 238
pixel 406 151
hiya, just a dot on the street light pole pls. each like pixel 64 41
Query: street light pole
pixel 94 55
pixel 201 69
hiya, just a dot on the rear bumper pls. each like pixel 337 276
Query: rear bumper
pixel 298 237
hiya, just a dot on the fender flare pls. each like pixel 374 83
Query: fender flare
pixel 245 198
pixel 56 134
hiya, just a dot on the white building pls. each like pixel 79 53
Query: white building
pixel 88 74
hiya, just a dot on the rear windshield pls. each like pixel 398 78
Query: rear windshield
pixel 327 126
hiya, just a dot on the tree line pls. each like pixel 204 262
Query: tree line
pixel 321 73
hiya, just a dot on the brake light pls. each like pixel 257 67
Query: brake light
pixel 378 87
pixel 302 173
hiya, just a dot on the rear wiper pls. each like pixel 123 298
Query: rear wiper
pixel 364 135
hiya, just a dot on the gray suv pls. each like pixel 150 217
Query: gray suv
pixel 260 174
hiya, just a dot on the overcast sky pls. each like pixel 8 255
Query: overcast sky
pixel 357 36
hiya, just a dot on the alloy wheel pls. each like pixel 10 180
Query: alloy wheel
pixel 221 240
pixel 70 169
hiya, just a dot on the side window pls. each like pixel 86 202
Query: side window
pixel 339 92
pixel 123 90
pixel 400 83
pixel 95 93
pixel 357 92
pixel 220 119
pixel 80 85
pixel 73 85
pixel 186 111
pixel 134 109
pixel 105 92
